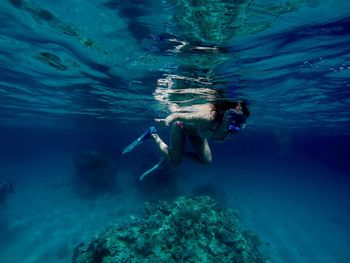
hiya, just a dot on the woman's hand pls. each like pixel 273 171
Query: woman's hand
pixel 162 121
pixel 167 121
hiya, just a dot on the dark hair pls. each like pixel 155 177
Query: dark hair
pixel 221 106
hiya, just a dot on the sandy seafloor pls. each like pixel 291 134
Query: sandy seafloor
pixel 294 196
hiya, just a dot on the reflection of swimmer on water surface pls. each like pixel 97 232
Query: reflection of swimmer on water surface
pixel 217 22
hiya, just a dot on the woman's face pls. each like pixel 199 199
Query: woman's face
pixel 234 119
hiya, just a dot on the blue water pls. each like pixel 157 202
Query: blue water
pixel 92 75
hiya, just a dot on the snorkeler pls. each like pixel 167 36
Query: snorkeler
pixel 6 187
pixel 217 121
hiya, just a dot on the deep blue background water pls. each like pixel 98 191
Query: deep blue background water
pixel 77 76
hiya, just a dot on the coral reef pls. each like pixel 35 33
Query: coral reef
pixel 190 229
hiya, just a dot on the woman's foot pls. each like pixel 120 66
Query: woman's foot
pixel 147 135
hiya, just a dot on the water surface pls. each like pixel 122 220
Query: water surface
pixel 78 76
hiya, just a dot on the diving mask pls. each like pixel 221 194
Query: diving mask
pixel 235 120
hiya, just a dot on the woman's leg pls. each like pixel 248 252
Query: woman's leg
pixel 174 153
pixel 201 146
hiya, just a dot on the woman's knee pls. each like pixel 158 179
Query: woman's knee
pixel 178 126
pixel 205 153
pixel 206 159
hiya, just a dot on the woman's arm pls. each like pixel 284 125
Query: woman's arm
pixel 197 114
pixel 185 117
